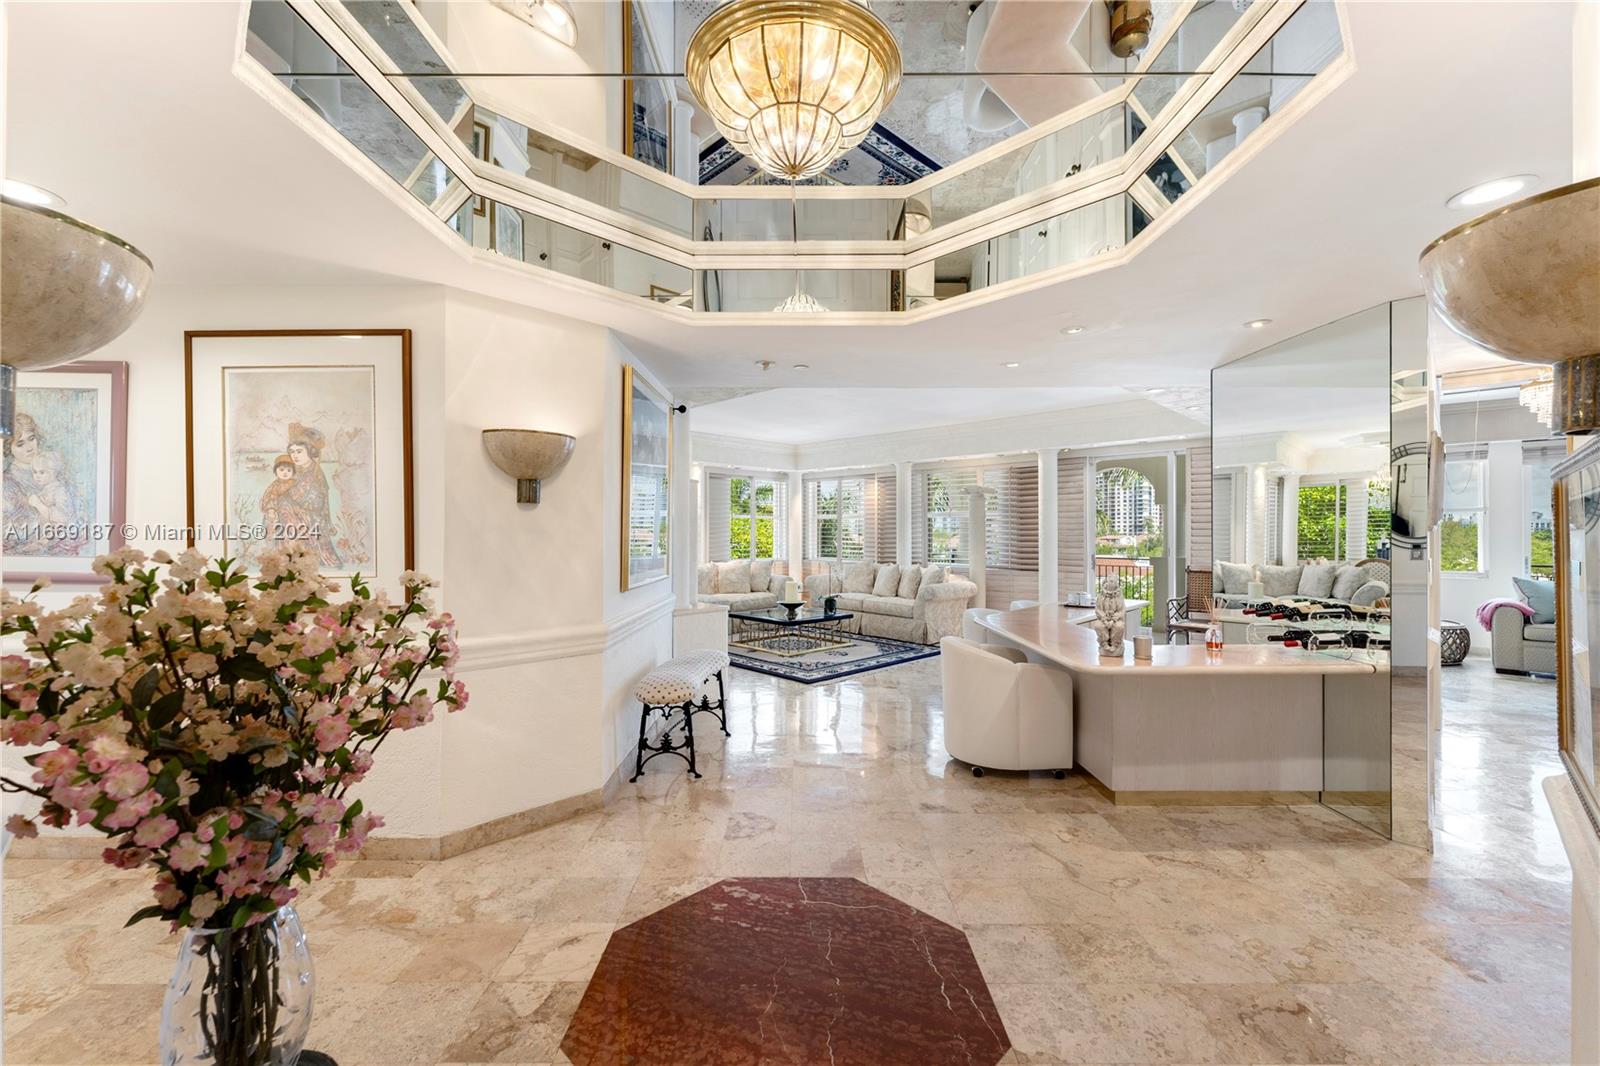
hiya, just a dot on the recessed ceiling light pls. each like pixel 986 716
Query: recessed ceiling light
pixel 1258 323
pixel 1072 330
pixel 802 366
pixel 24 193
pixel 1490 191
pixel 1012 366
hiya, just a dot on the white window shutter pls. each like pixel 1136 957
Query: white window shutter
pixel 1073 565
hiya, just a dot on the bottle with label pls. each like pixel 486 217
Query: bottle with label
pixel 1214 638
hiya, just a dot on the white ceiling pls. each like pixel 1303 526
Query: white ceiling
pixel 1330 386
pixel 148 134
pixel 808 416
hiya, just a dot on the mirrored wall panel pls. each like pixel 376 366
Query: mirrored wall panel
pixel 1301 502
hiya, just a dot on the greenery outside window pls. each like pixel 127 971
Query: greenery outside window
pixel 752 518
pixel 1461 534
pixel 838 519
pixel 1322 521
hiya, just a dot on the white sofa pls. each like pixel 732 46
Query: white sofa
pixel 1357 584
pixel 921 604
pixel 739 585
pixel 1002 712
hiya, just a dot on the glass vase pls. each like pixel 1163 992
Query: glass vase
pixel 239 997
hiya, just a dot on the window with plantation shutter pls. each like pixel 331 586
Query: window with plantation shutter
pixel 1198 546
pixel 747 516
pixel 1322 520
pixel 1274 521
pixel 1072 525
pixel 881 528
pixel 942 534
pixel 1222 518
pixel 845 519
pixel 717 517
pixel 940 511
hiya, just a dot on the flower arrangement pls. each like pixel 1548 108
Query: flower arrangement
pixel 211 723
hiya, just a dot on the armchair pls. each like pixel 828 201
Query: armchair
pixel 1002 712
pixel 1520 645
pixel 1188 614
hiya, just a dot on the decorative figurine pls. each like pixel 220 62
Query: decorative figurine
pixel 1110 616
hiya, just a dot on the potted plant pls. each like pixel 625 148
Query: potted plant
pixel 211 724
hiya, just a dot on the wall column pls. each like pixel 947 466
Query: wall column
pixel 1049 527
pixel 796 533
pixel 681 138
pixel 1289 519
pixel 903 518
pixel 683 514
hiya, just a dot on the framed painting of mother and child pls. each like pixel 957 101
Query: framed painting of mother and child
pixel 305 436
pixel 65 475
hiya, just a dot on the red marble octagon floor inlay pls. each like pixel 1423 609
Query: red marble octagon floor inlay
pixel 787 970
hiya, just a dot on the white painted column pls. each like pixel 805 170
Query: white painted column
pixel 797 525
pixel 683 514
pixel 700 531
pixel 684 157
pixel 1049 527
pixel 1289 519
pixel 903 517
pixel 978 541
pixel 1255 514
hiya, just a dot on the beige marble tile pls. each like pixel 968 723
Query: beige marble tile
pixel 1107 935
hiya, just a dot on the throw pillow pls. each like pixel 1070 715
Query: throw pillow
pixel 1346 581
pixel 1316 580
pixel 858 577
pixel 1540 595
pixel 910 581
pixel 932 575
pixel 706 578
pixel 1277 581
pixel 1236 577
pixel 761 575
pixel 887 583
pixel 733 577
pixel 1369 594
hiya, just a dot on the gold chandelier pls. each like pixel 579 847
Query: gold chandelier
pixel 793 84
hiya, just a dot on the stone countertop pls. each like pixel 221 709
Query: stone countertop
pixel 1057 635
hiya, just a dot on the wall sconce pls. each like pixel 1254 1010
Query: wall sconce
pixel 529 455
pixel 550 17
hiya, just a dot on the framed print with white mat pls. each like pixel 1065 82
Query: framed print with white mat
pixel 301 435
pixel 66 472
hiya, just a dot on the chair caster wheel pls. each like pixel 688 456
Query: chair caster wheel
pixel 977 771
pixel 1060 775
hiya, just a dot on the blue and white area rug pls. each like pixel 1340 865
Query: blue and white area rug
pixel 829 664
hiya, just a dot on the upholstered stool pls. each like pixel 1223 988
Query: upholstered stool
pixel 679 686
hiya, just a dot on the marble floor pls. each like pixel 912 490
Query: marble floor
pixel 1105 935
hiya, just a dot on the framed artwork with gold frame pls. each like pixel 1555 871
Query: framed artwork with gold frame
pixel 646 543
pixel 1576 510
pixel 303 436
pixel 481 149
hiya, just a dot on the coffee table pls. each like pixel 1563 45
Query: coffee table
pixel 774 631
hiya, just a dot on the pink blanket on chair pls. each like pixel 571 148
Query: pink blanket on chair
pixel 1486 611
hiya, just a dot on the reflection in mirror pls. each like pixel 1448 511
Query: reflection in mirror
pixel 1301 530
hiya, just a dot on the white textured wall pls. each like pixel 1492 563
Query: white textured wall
pixel 550 645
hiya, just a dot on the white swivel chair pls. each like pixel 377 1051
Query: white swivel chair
pixel 1002 712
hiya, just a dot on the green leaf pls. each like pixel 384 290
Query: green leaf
pixel 244 668
pixel 142 913
pixel 240 916
pixel 165 709
pixel 350 813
